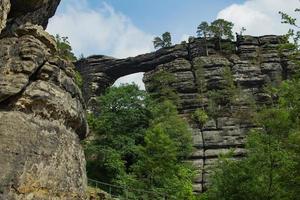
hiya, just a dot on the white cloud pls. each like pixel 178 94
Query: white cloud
pixel 259 17
pixel 184 37
pixel 99 30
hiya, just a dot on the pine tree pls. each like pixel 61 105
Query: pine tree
pixel 203 30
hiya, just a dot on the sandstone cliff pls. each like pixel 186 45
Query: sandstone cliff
pixel 253 62
pixel 42 113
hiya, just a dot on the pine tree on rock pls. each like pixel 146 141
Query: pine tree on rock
pixel 222 29
pixel 164 41
pixel 203 30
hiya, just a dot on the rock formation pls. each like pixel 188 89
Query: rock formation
pixel 4 10
pixel 253 62
pixel 42 112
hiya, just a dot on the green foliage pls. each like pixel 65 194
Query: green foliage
pixel 221 28
pixel 119 129
pixel 164 41
pixel 140 144
pixel 161 87
pixel 65 52
pixel 161 165
pixel 287 19
pixel 225 97
pixel 166 37
pixel 64 48
pixel 294 32
pixel 78 79
pixel 200 117
pixel 271 168
pixel 257 177
pixel 203 30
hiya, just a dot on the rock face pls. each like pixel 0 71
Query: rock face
pixel 100 72
pixel 42 112
pixel 253 63
pixel 4 10
pixel 30 11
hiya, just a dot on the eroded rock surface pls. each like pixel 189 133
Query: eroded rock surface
pixel 42 112
pixel 253 62
pixel 21 12
pixel 4 10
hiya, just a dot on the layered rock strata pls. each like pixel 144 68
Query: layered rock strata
pixel 4 10
pixel 253 63
pixel 42 112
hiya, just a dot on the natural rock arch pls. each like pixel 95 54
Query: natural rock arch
pixel 253 62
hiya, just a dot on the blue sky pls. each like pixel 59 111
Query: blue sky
pixel 177 16
pixel 157 16
pixel 123 28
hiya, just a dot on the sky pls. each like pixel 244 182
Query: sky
pixel 124 28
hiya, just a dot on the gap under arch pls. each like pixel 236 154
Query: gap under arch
pixel 136 78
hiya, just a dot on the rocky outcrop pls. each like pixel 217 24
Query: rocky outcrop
pixel 42 112
pixel 4 10
pixel 21 12
pixel 100 72
pixel 253 63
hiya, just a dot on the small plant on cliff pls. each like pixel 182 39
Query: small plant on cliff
pixel 226 96
pixel 161 87
pixel 64 48
pixel 78 79
pixel 164 41
pixel 200 117
pixel 65 52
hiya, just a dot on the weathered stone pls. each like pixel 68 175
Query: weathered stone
pixel 40 159
pixel 20 59
pixel 255 62
pixel 4 10
pixel 42 119
pixel 35 12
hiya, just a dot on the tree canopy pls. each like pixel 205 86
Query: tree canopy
pixel 140 143
pixel 203 30
pixel 164 41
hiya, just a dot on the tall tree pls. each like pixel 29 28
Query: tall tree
pixel 158 43
pixel 164 41
pixel 167 39
pixel 118 129
pixel 203 30
pixel 222 29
